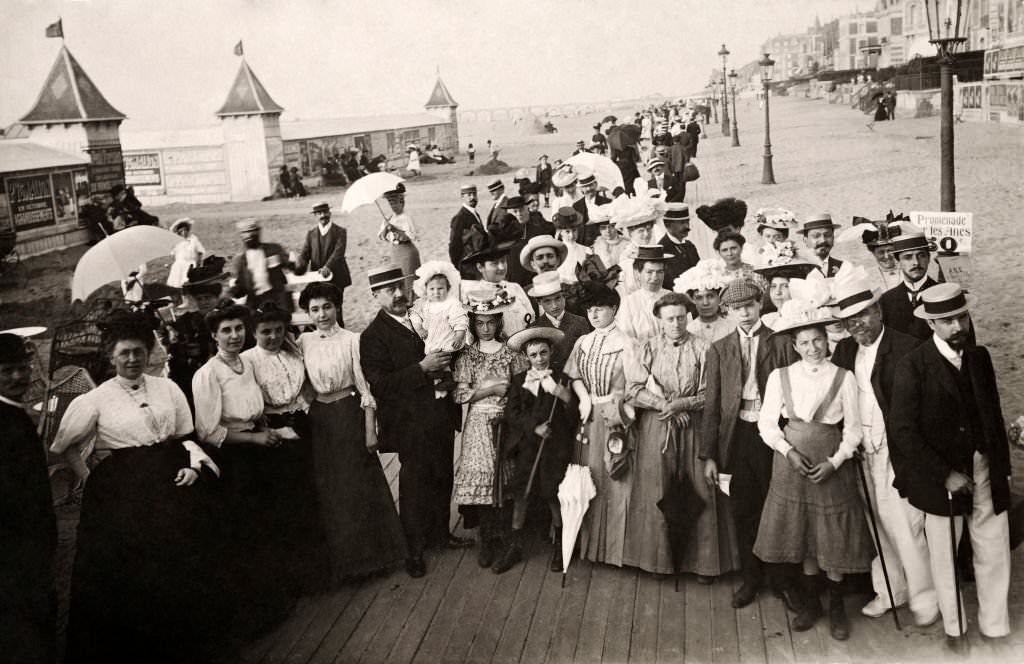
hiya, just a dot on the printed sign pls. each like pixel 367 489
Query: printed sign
pixel 142 168
pixel 956 269
pixel 63 197
pixel 106 169
pixel 31 201
pixel 951 231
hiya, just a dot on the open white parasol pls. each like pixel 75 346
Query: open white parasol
pixel 367 189
pixel 574 495
pixel 604 169
pixel 115 257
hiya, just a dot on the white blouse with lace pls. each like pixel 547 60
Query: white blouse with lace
pixel 281 375
pixel 332 362
pixel 225 400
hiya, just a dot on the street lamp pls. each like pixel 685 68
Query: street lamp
pixel 948 31
pixel 724 53
pixel 767 173
pixel 735 130
pixel 714 99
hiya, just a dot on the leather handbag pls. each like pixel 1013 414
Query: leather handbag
pixel 690 172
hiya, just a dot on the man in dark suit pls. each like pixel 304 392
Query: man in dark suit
pixel 547 293
pixel 684 254
pixel 871 353
pixel 951 456
pixel 498 197
pixel 913 255
pixel 468 234
pixel 414 421
pixel 324 251
pixel 258 271
pixel 738 366
pixel 591 198
pixel 820 236
pixel 28 527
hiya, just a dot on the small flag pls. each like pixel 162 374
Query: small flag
pixel 238 48
pixel 55 29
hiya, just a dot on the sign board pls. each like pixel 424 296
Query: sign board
pixel 63 198
pixel 31 201
pixel 951 231
pixel 956 269
pixel 106 169
pixel 1004 60
pixel 142 169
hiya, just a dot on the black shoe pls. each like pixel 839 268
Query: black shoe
pixel 557 564
pixel 839 625
pixel 810 605
pixel 454 542
pixel 790 596
pixel 958 645
pixel 486 554
pixel 705 580
pixel 745 595
pixel 415 567
pixel 511 556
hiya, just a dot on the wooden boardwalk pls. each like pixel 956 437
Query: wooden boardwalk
pixel 461 613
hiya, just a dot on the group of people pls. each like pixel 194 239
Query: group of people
pixel 105 215
pixel 824 419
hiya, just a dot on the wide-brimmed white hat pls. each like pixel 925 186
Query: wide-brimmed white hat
pixel 799 314
pixel 431 269
pixel 518 341
pixel 944 301
pixel 536 242
pixel 546 283
pixel 184 221
pixel 629 212
pixel 707 274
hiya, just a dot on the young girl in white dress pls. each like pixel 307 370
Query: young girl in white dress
pixel 438 317
pixel 187 253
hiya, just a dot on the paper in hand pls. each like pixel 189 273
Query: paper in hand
pixel 724 479
pixel 287 433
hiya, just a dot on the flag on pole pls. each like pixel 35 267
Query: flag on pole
pixel 55 29
pixel 238 48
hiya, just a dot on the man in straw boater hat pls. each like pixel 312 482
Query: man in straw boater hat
pixel 324 251
pixel 540 417
pixel 546 254
pixel 258 271
pixel 738 366
pixel 682 254
pixel 28 527
pixel 912 253
pixel 497 191
pixel 872 352
pixel 546 291
pixel 951 457
pixel 819 233
pixel 588 205
pixel 492 263
pixel 467 233
pixel 413 420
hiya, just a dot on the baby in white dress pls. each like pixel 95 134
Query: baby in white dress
pixel 438 316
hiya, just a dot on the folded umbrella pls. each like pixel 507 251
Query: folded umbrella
pixel 115 257
pixel 367 189
pixel 574 495
pixel 681 506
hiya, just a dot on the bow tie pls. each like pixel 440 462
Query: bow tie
pixel 537 378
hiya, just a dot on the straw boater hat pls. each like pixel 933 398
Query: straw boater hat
pixel 322 207
pixel 495 186
pixel 655 162
pixel 564 176
pixel 431 269
pixel 854 295
pixel 246 225
pixel 651 252
pixel 537 242
pixel 384 276
pixel 911 240
pixel 587 179
pixel 467 189
pixel 817 221
pixel 518 341
pixel 489 300
pixel 707 274
pixel 944 301
pixel 676 212
pixel 545 283
pixel 184 221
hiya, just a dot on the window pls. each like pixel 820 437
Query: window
pixel 872 26
pixel 853 46
pixel 872 41
pixel 896 26
pixel 912 17
pixel 853 28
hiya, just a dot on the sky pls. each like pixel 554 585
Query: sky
pixel 169 63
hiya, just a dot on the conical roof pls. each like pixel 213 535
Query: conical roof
pixel 248 96
pixel 69 95
pixel 440 97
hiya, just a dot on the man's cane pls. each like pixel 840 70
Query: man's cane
pixel 878 541
pixel 956 568
pixel 544 439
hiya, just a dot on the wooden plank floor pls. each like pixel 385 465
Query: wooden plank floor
pixel 461 613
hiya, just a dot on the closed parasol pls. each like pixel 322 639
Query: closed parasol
pixel 115 257
pixel 574 495
pixel 604 169
pixel 681 506
pixel 367 189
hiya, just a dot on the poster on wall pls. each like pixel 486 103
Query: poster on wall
pixel 142 169
pixel 106 169
pixel 63 198
pixel 31 201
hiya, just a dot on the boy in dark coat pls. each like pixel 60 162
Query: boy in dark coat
pixel 540 419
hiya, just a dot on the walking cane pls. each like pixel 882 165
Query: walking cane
pixel 878 541
pixel 544 439
pixel 956 568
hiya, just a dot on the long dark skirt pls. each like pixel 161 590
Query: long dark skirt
pixel 142 587
pixel 363 532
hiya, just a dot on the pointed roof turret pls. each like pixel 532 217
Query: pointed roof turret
pixel 248 96
pixel 69 95
pixel 440 97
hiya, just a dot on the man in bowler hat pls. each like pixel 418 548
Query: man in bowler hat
pixel 324 251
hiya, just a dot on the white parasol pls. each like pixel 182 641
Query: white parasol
pixel 367 189
pixel 574 495
pixel 115 257
pixel 604 169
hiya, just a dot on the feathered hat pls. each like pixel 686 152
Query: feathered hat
pixel 723 212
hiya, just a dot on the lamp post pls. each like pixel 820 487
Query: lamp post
pixel 947 30
pixel 714 100
pixel 767 173
pixel 735 130
pixel 724 53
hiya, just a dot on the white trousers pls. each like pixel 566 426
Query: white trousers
pixel 904 547
pixel 990 538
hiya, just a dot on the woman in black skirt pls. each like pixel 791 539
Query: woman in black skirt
pixel 140 586
pixel 358 511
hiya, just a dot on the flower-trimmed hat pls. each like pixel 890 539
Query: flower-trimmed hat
pixel 797 314
pixel 489 300
pixel 707 274
pixel 778 218
pixel 431 269
pixel 629 212
pixel 783 259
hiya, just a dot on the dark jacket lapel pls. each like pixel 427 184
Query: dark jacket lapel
pixel 940 369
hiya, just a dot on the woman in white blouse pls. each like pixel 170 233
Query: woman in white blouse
pixel 229 416
pixel 813 513
pixel 139 580
pixel 281 375
pixel 360 521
